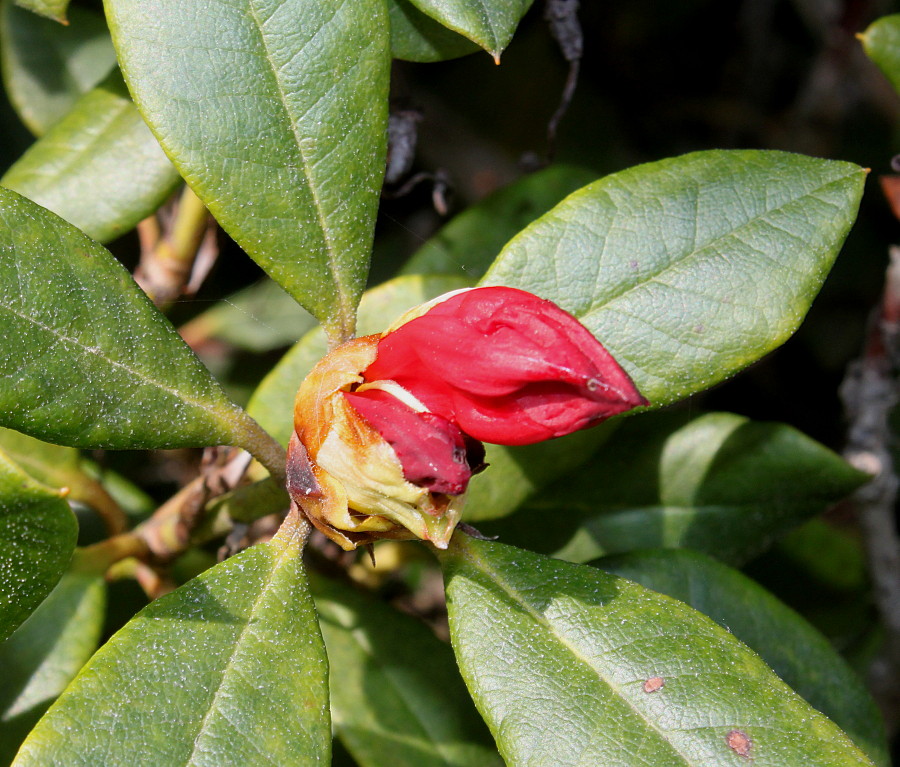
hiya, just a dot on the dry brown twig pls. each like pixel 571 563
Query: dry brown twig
pixel 145 552
pixel 178 248
pixel 869 392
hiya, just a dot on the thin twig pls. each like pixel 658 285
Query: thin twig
pixel 869 392
pixel 565 28
pixel 171 243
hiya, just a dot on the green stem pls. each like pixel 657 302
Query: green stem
pixel 99 557
pixel 189 226
pixel 167 257
pixel 93 494
pixel 338 335
pixel 295 529
pixel 264 448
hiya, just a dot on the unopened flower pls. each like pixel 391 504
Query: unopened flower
pixel 388 428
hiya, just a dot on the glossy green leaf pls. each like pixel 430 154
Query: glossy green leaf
pixel 799 654
pixel 228 669
pixel 396 694
pixel 417 37
pixel 273 402
pixel 103 145
pixel 721 484
pixel 245 504
pixel 88 361
pixel 37 538
pixel 47 66
pixel 570 665
pixel 275 111
pixel 46 652
pixel 881 42
pixel 689 269
pixel 258 318
pixel 52 9
pixel 490 24
pixel 470 242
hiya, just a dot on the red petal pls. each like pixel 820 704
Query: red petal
pixel 431 449
pixel 507 366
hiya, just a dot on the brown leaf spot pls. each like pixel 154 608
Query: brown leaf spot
pixel 739 742
pixel 654 683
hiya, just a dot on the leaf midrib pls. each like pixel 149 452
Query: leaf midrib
pixel 145 379
pixel 693 253
pixel 344 313
pixel 201 730
pixel 482 565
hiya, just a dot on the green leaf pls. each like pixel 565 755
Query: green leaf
pixel 258 318
pixel 59 466
pixel 490 24
pixel 50 464
pixel 396 694
pixel 88 360
pixel 881 42
pixel 275 112
pixel 244 504
pixel 47 66
pixel 417 37
pixel 103 145
pixel 228 669
pixel 46 652
pixel 272 403
pixel 37 538
pixel 832 557
pixel 689 269
pixel 471 241
pixel 52 9
pixel 569 665
pixel 799 654
pixel 515 474
pixel 721 484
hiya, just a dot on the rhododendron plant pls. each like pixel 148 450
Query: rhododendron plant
pixel 458 502
pixel 388 428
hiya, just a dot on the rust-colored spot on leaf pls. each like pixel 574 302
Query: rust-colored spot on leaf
pixel 654 683
pixel 739 742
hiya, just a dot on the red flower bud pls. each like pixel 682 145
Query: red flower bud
pixel 387 428
pixel 504 365
pixel 344 475
pixel 431 449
